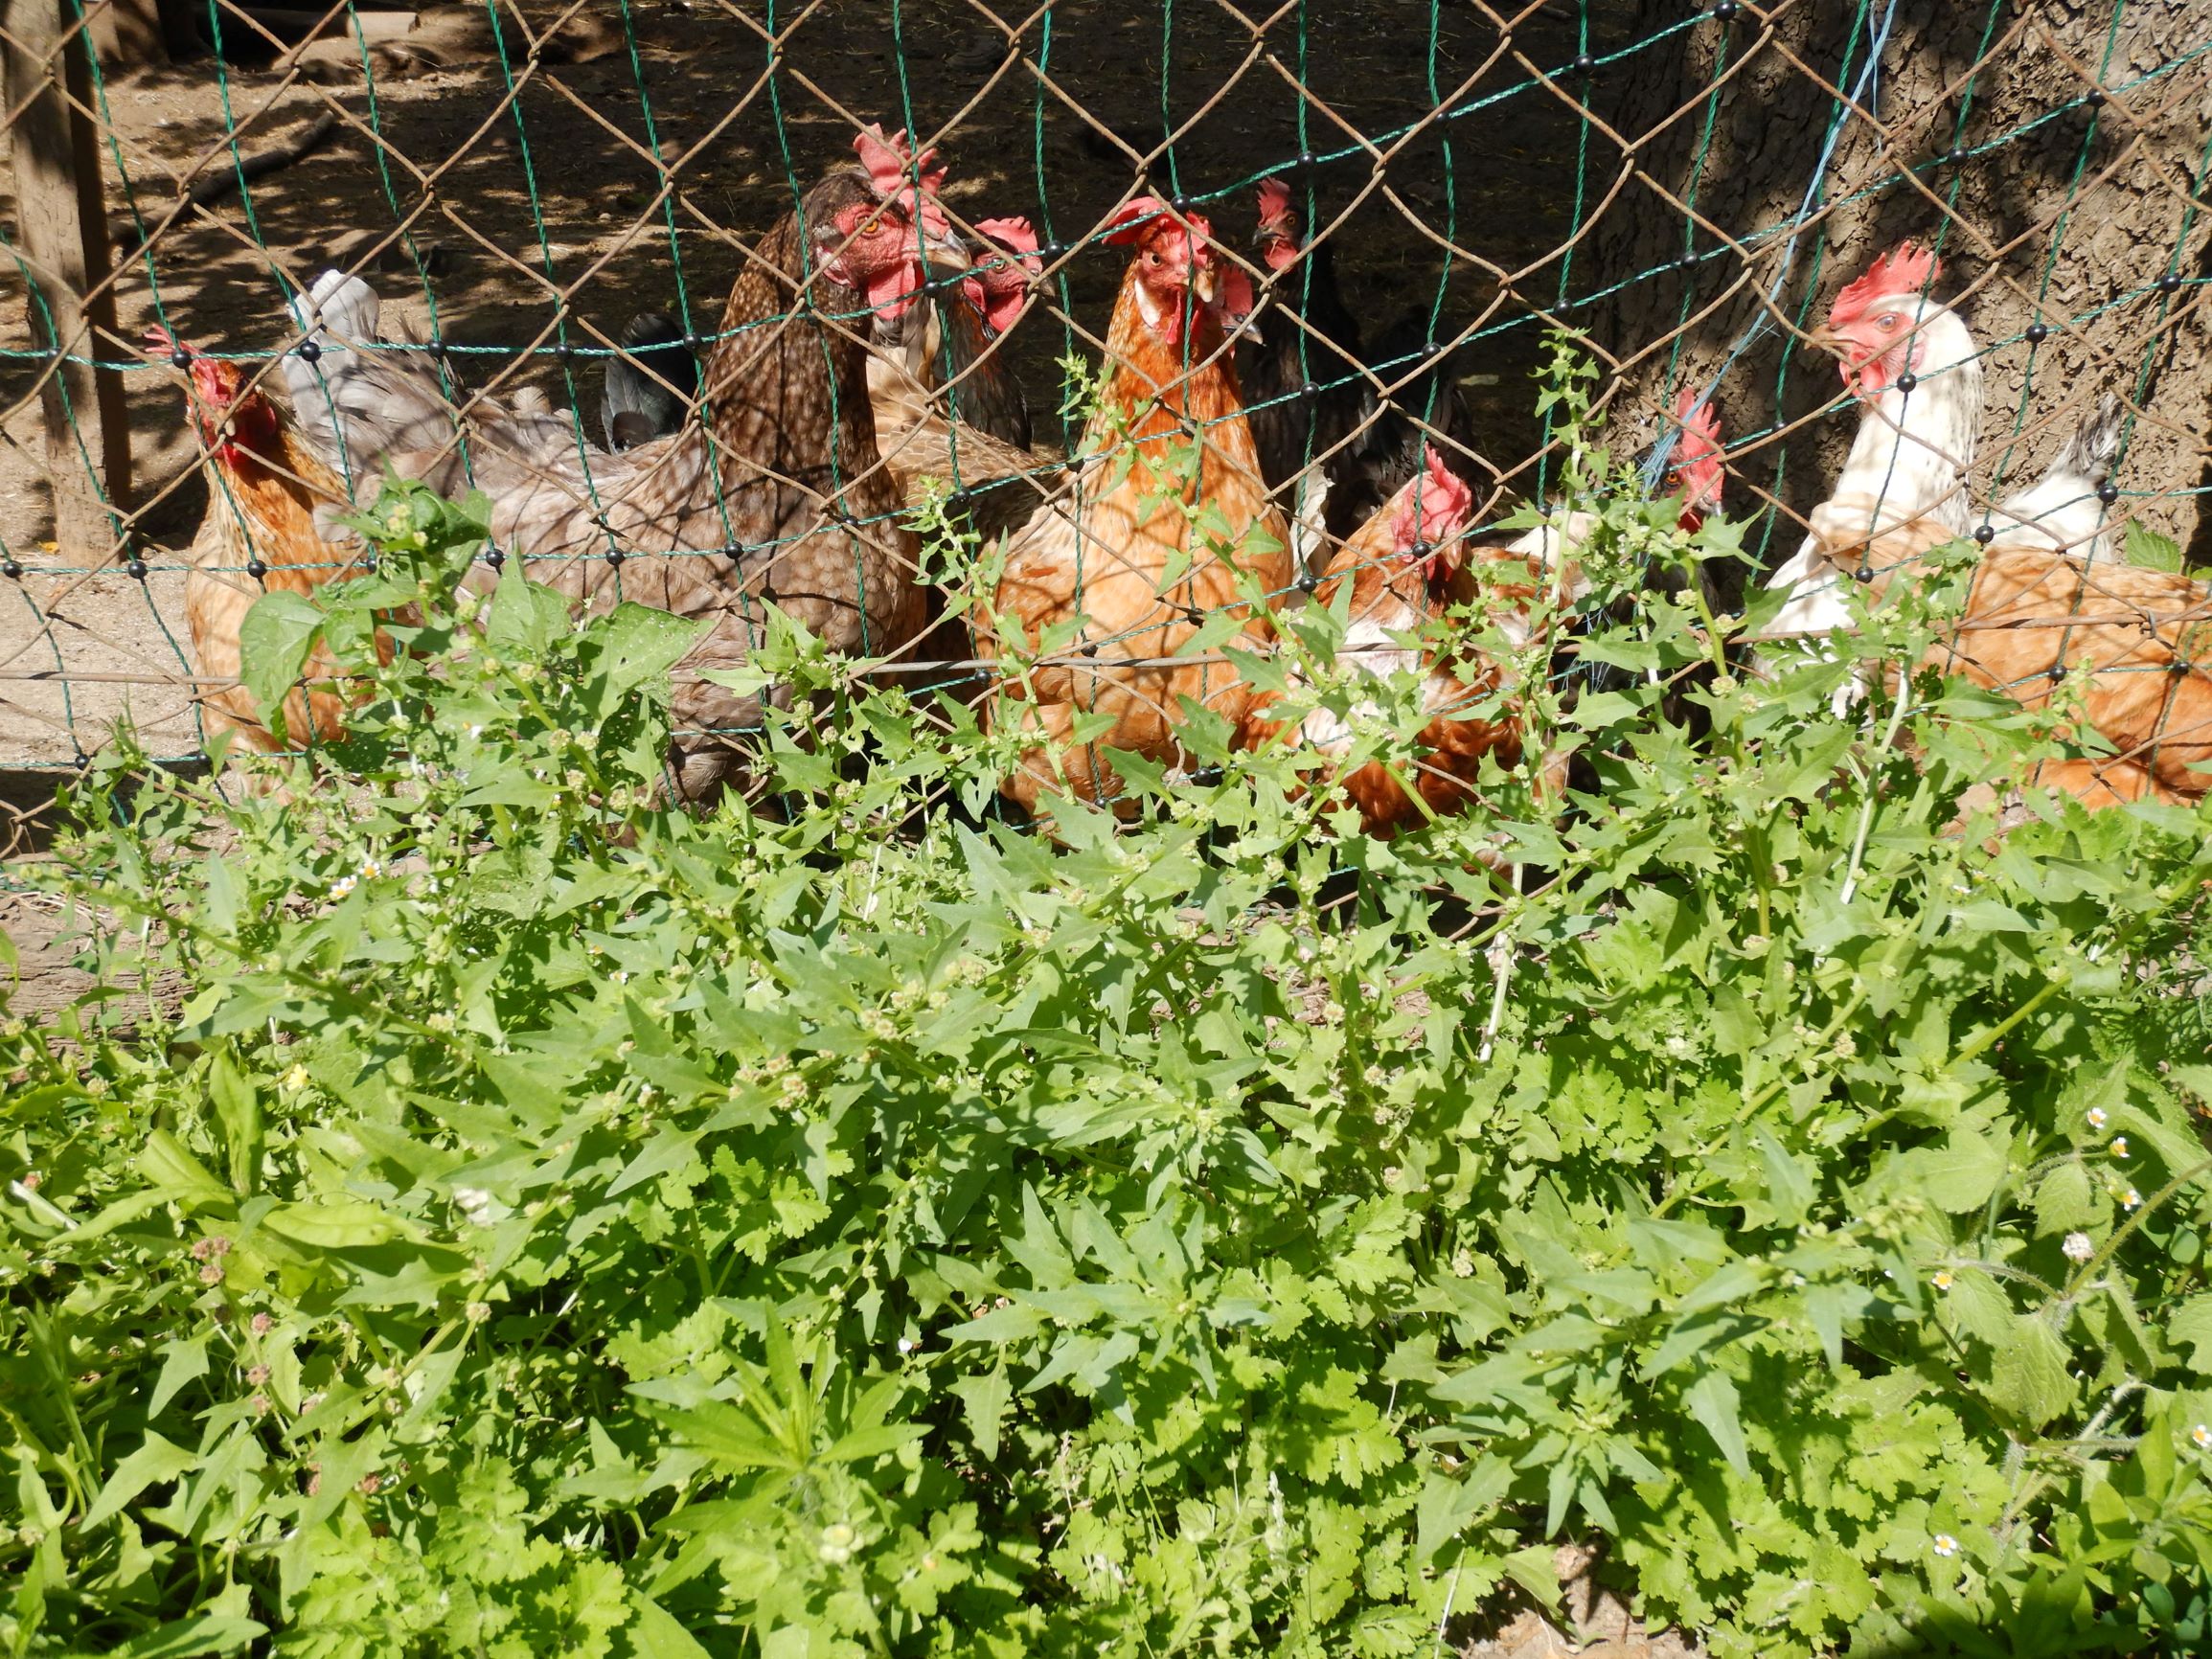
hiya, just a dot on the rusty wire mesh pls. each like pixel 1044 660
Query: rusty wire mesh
pixel 1684 187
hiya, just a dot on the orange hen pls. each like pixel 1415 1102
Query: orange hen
pixel 1146 550
pixel 1407 567
pixel 268 526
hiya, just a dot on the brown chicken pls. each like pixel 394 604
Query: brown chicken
pixel 269 525
pixel 776 491
pixel 2133 645
pixel 1144 551
pixel 1408 567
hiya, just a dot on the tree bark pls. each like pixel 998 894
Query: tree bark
pixel 2071 223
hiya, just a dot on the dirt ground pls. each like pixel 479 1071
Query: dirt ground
pixel 486 213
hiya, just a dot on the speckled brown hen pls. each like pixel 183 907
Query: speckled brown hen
pixel 269 527
pixel 1146 550
pixel 776 491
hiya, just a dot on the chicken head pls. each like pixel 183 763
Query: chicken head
pixel 230 415
pixel 1177 269
pixel 1694 473
pixel 1278 231
pixel 874 243
pixel 1880 325
pixel 1000 286
pixel 1430 521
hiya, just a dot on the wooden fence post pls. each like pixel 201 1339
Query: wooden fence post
pixel 62 238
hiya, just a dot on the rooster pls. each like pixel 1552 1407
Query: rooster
pixel 775 491
pixel 270 525
pixel 652 382
pixel 1146 550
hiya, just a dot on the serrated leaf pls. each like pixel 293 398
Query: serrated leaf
pixel 155 1462
pixel 2029 1376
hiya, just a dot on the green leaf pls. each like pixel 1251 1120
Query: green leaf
pixel 2192 1324
pixel 1960 1174
pixel 656 1634
pixel 156 1461
pixel 1713 1401
pixel 182 1638
pixel 1789 1185
pixel 274 643
pixel 2029 1378
pixel 178 1175
pixel 2146 549
pixel 637 644
pixel 333 1224
pixel 984 1399
pixel 187 1362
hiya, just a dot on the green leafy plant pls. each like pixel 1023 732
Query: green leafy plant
pixel 554 1223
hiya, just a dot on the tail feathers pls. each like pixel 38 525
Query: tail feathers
pixel 2088 453
pixel 650 390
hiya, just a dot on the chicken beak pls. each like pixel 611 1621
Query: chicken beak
pixel 1828 340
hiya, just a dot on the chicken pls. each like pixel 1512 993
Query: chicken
pixel 1315 404
pixel 2032 611
pixel 1156 538
pixel 270 526
pixel 650 385
pixel 2035 614
pixel 1915 366
pixel 1408 567
pixel 949 412
pixel 978 379
pixel 775 491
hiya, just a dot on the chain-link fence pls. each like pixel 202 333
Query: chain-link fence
pixel 549 204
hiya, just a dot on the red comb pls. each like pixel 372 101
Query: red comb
pixel 1013 235
pixel 1433 507
pixel 1133 219
pixel 1700 428
pixel 1908 269
pixel 161 343
pixel 1274 200
pixel 887 157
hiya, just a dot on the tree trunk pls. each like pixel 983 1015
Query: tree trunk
pixel 2073 223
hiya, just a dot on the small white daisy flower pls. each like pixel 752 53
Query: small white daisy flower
pixel 2097 1118
pixel 476 731
pixel 1943 1280
pixel 371 870
pixel 906 1346
pixel 2078 1247
pixel 2202 1436
pixel 344 885
pixel 1945 1545
pixel 2131 1199
pixel 2119 1146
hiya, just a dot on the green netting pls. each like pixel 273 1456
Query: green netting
pixel 1041 117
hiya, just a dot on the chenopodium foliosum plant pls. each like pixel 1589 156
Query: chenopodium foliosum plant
pixel 492 1211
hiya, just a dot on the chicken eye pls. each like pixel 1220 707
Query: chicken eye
pixel 1151 257
pixel 1887 322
